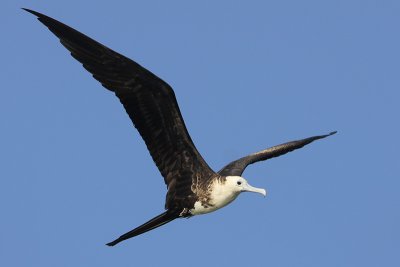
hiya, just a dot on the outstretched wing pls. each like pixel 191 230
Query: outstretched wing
pixel 149 102
pixel 237 167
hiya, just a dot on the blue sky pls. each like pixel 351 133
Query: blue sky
pixel 248 75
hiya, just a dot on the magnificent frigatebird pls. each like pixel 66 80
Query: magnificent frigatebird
pixel 193 187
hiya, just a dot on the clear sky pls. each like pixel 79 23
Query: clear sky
pixel 75 174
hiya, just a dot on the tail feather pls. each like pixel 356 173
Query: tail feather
pixel 157 221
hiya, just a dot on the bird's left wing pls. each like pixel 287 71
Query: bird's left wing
pixel 237 167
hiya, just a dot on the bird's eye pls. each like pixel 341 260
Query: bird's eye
pixel 239 182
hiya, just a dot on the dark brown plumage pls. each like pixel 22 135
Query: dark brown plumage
pixel 141 93
pixel 238 166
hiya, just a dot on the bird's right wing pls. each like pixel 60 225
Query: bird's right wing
pixel 237 167
pixel 149 101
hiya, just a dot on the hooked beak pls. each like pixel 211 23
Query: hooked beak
pixel 249 188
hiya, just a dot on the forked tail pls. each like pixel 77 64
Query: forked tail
pixel 157 221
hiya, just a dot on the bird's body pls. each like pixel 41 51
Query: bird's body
pixel 193 187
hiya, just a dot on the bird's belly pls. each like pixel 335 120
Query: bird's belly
pixel 216 202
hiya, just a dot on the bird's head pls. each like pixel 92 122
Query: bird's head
pixel 239 184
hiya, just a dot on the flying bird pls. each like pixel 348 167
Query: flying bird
pixel 193 187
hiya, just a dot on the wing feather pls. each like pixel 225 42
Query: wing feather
pixel 150 103
pixel 237 167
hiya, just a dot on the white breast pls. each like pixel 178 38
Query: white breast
pixel 221 195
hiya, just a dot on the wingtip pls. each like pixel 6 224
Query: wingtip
pixel 323 136
pixel 39 15
pixel 113 243
pixel 31 11
pixel 327 135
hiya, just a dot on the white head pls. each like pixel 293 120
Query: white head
pixel 239 184
pixel 224 192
